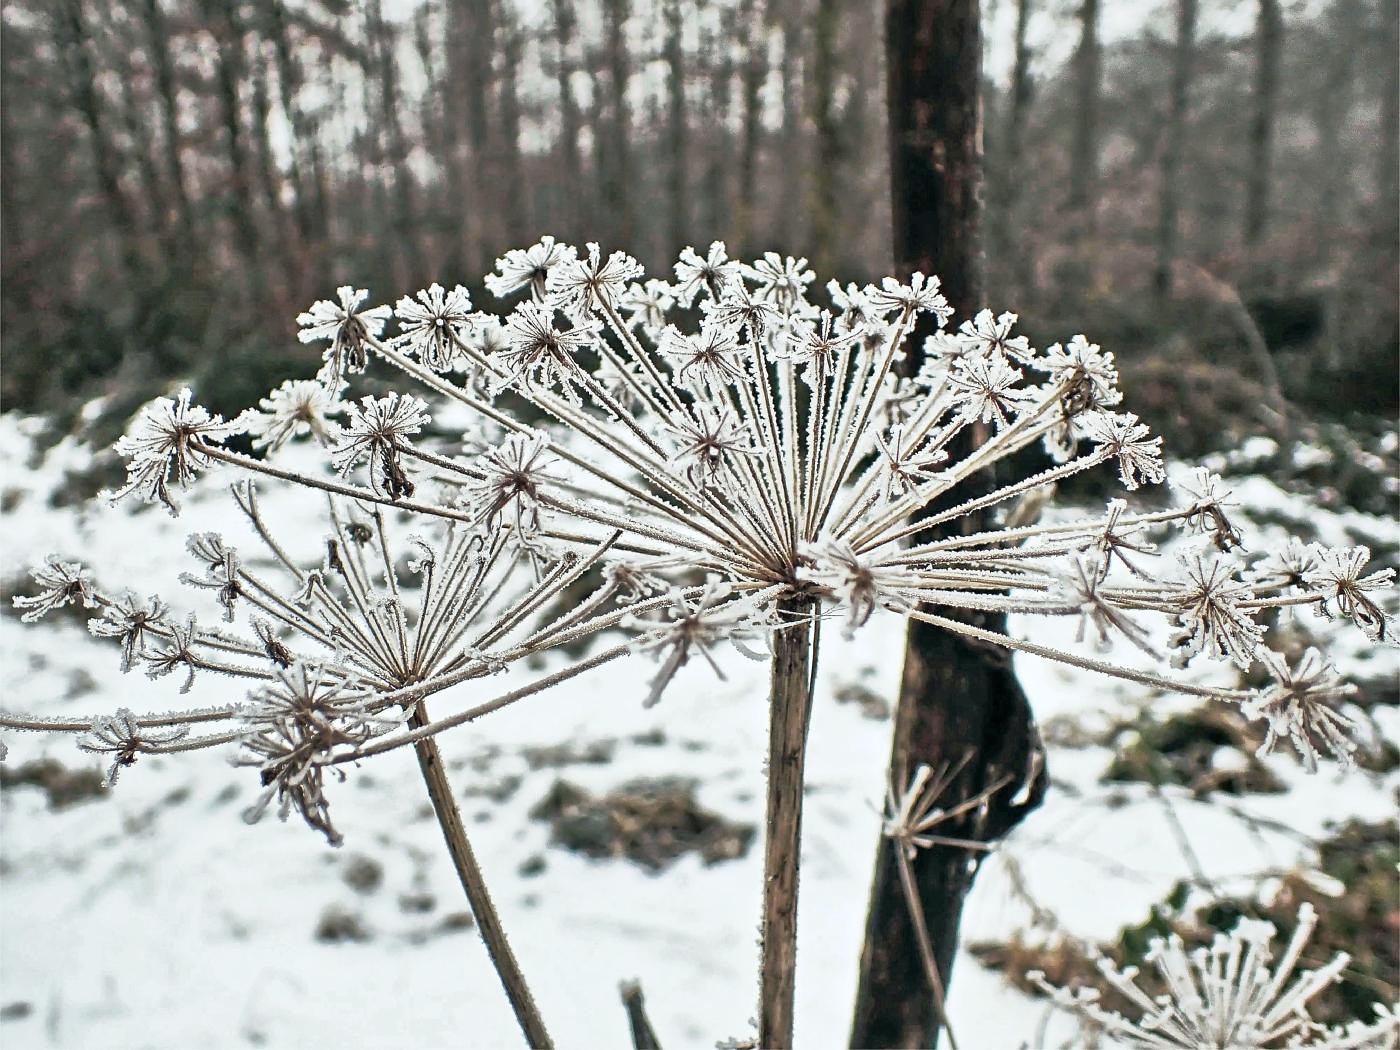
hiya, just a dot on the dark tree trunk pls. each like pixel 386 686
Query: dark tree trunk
pixel 616 152
pixel 224 24
pixel 719 58
pixel 828 135
pixel 396 172
pixel 270 179
pixel 790 239
pixel 752 21
pixel 1169 200
pixel 1346 31
pixel 1268 44
pixel 570 159
pixel 1084 159
pixel 1017 250
pixel 163 65
pixel 679 202
pixel 289 81
pixel 517 219
pixel 954 699
pixel 72 34
pixel 1388 138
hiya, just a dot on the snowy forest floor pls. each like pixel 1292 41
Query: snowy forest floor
pixel 152 916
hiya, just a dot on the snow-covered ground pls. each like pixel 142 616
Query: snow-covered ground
pixel 157 918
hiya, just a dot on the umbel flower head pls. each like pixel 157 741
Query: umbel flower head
pixel 776 445
pixel 171 441
pixel 730 428
pixel 1227 996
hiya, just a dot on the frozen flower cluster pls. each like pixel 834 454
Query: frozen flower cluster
pixel 1227 996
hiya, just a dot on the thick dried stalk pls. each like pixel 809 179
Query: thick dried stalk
pixel 464 860
pixel 790 709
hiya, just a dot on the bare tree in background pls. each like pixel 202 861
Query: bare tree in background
pixel 72 37
pixel 825 208
pixel 1174 147
pixel 1268 46
pixel 615 151
pixel 753 21
pixel 571 160
pixel 956 701
pixel 1388 157
pixel 1084 156
pixel 512 167
pixel 1017 253
pixel 677 195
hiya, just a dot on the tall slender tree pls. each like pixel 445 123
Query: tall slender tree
pixel 1268 48
pixel 512 167
pixel 825 220
pixel 753 20
pixel 225 24
pixel 615 149
pixel 790 74
pixel 1084 158
pixel 677 197
pixel 163 66
pixel 1017 252
pixel 1388 138
pixel 571 160
pixel 73 38
pixel 1174 147
pixel 958 704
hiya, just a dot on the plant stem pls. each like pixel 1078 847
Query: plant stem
pixel 487 921
pixel 790 705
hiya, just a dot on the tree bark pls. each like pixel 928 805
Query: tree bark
pixel 1017 250
pixel 676 171
pixel 790 238
pixel 1084 160
pixel 163 66
pixel 512 162
pixel 71 31
pixel 1268 45
pixel 1169 200
pixel 571 160
pixel 828 135
pixel 289 84
pixel 954 698
pixel 1388 138
pixel 752 21
pixel 229 69
pixel 616 174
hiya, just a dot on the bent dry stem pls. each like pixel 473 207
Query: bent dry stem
pixel 484 911
pixel 790 708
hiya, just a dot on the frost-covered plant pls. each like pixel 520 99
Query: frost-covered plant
pixel 1230 995
pixel 343 653
pixel 757 462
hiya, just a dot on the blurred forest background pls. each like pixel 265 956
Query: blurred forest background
pixel 1207 187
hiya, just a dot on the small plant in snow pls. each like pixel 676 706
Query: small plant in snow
pixel 725 427
pixel 1226 997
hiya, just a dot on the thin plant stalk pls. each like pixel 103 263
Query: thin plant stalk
pixel 454 832
pixel 920 923
pixel 789 713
